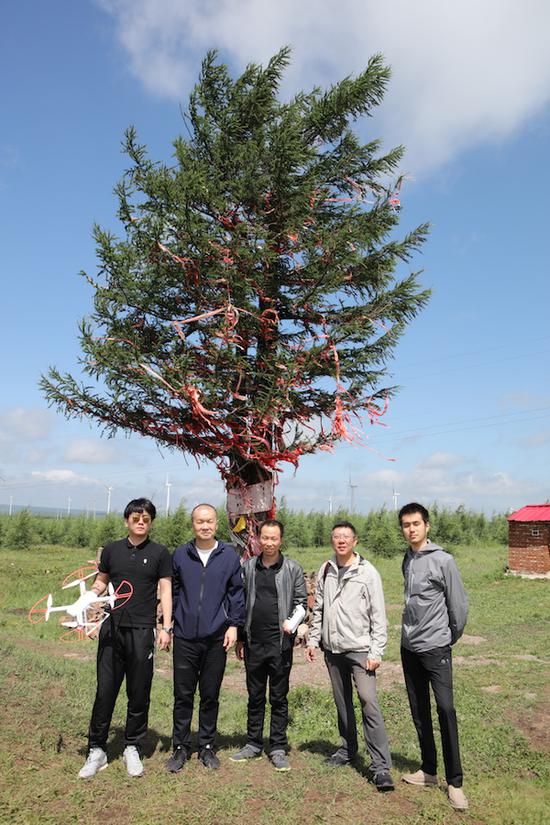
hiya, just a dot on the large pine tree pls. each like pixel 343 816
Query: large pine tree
pixel 252 303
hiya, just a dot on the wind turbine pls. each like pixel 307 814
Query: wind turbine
pixel 168 485
pixel 352 488
pixel 395 497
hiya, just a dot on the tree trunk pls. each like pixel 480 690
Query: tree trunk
pixel 250 501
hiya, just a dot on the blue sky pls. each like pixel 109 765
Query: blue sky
pixel 470 98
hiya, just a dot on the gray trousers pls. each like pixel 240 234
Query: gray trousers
pixel 342 667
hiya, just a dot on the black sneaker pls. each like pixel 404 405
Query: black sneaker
pixel 209 758
pixel 337 760
pixel 177 760
pixel 383 781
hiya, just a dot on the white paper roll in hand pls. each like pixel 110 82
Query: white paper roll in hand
pixel 296 618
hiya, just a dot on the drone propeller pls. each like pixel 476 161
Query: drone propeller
pixel 79 575
pixel 124 591
pixel 76 634
pixel 38 613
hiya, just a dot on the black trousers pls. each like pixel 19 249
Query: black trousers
pixel 122 651
pixel 201 662
pixel 268 662
pixel 433 667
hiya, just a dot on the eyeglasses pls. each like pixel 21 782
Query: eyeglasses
pixel 135 518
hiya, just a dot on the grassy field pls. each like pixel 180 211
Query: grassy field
pixel 502 693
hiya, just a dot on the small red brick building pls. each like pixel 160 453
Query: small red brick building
pixel 529 539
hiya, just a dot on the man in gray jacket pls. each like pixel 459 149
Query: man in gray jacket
pixel 349 619
pixel 436 608
pixel 275 592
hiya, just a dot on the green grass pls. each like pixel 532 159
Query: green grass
pixel 501 684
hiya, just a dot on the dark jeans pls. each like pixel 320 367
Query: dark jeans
pixel 123 651
pixel 201 662
pixel 268 662
pixel 433 667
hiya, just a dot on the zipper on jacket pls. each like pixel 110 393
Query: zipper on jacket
pixel 201 593
pixel 411 576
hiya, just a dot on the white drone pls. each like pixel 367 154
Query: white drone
pixel 87 611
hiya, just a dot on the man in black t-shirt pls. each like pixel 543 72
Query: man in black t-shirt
pixel 127 637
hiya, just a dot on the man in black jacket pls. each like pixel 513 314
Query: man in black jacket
pixel 275 604
pixel 208 608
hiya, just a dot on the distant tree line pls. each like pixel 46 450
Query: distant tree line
pixel 378 530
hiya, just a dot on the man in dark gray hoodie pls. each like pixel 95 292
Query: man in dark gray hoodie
pixel 436 608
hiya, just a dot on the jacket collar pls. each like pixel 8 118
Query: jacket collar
pixel 349 567
pixel 261 566
pixel 192 549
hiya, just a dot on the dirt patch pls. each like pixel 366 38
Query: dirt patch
pixel 473 661
pixel 472 640
pixel 62 649
pixel 491 689
pixel 314 674
pixel 79 657
pixel 534 722
pixel 528 657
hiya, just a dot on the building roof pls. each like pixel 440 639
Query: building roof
pixel 531 512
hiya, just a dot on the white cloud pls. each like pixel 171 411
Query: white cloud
pixel 21 422
pixel 536 440
pixel 63 476
pixel 441 461
pixel 463 73
pixel 482 488
pixel 90 451
pixel 447 478
pixel 38 455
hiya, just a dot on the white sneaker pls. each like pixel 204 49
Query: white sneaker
pixel 457 798
pixel 96 761
pixel 427 780
pixel 132 760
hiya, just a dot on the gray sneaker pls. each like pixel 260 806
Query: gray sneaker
pixel 279 760
pixel 132 760
pixel 96 761
pixel 246 753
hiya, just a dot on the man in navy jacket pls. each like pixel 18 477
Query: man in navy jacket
pixel 208 598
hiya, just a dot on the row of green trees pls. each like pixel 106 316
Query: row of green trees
pixel 378 530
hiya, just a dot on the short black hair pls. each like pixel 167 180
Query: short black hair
pixel 140 505
pixel 414 507
pixel 272 522
pixel 344 523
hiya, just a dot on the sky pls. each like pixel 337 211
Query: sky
pixel 470 100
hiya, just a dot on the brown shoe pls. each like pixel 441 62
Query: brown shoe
pixel 426 780
pixel 457 798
